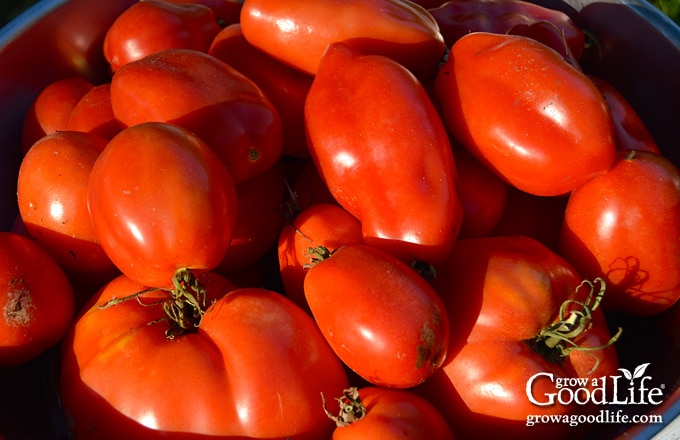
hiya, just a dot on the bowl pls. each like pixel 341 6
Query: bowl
pixel 635 47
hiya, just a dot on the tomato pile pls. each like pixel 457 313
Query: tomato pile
pixel 407 208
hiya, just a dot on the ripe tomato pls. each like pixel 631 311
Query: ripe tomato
pixel 381 413
pixel 501 293
pixel 52 199
pixel 397 176
pixel 207 97
pixel 380 316
pixel 52 109
pixel 94 113
pixel 36 300
pixel 624 226
pixel 150 26
pixel 226 11
pixel 525 112
pixel 161 200
pixel 251 365
pixel 321 224
pixel 299 32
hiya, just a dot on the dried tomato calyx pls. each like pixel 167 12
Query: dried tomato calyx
pixel 557 341
pixel 351 408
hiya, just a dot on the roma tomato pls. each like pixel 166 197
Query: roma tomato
pixel 52 109
pixel 150 26
pixel 52 198
pixel 624 226
pixel 383 151
pixel 379 315
pixel 36 300
pixel 94 113
pixel 247 364
pixel 299 32
pixel 381 413
pixel 526 113
pixel 516 310
pixel 321 224
pixel 207 97
pixel 161 200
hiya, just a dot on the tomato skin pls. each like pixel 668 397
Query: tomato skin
pixel 299 32
pixel 624 226
pixel 52 200
pixel 36 300
pixel 147 233
pixel 150 26
pixel 52 109
pixel 499 293
pixel 380 317
pixel 395 414
pixel 218 369
pixel 226 11
pixel 94 113
pixel 397 177
pixel 206 96
pixel 524 112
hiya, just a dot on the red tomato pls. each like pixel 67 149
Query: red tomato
pixel 36 300
pixel 298 32
pixel 252 365
pixel 380 317
pixel 397 176
pixel 501 293
pixel 226 11
pixel 306 187
pixel 380 413
pixel 624 226
pixel 286 87
pixel 149 26
pixel 161 200
pixel 630 132
pixel 52 109
pixel 207 97
pixel 525 112
pixel 94 113
pixel 52 198
pixel 322 224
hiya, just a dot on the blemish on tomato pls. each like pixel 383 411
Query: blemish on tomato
pixel 19 308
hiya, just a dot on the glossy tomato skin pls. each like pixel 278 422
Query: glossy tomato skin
pixel 525 112
pixel 624 226
pixel 395 414
pixel 161 200
pixel 150 26
pixel 383 151
pixel 121 377
pixel 36 300
pixel 286 87
pixel 52 199
pixel 206 96
pixel 299 32
pixel 380 316
pixel 501 292
pixel 94 113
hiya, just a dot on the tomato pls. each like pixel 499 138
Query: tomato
pixel 614 227
pixel 52 109
pixel 94 113
pixel 306 187
pixel 286 87
pixel 52 199
pixel 36 300
pixel 379 315
pixel 629 131
pixel 161 200
pixel 249 364
pixel 321 224
pixel 373 412
pixel 483 194
pixel 398 175
pixel 226 11
pixel 501 294
pixel 516 17
pixel 207 97
pixel 149 26
pixel 526 113
pixel 299 32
